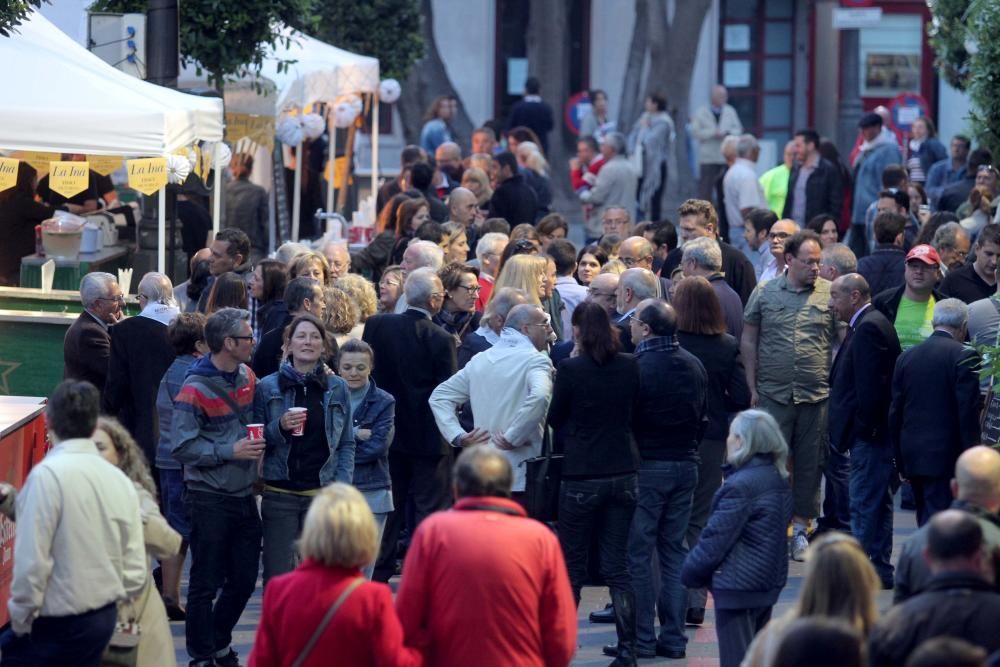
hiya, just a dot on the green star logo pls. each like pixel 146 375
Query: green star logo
pixel 6 368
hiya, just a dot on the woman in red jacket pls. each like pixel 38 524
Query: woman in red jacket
pixel 325 612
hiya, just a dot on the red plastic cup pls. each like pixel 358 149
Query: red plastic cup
pixel 300 429
pixel 255 431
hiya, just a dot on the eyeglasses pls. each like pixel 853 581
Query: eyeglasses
pixel 633 318
pixel 986 167
pixel 596 294
pixel 117 299
pixel 472 290
pixel 439 295
pixel 389 283
pixel 779 235
pixel 631 261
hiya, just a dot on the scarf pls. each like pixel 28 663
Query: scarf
pixel 160 312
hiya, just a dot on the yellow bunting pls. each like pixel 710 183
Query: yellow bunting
pixel 105 164
pixel 38 160
pixel 8 173
pixel 69 178
pixel 147 175
pixel 340 168
pixel 257 129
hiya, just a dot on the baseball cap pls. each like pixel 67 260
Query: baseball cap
pixel 869 119
pixel 925 253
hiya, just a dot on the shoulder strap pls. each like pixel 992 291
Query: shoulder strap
pixel 213 387
pixel 321 628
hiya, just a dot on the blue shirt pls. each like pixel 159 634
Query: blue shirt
pixel 940 175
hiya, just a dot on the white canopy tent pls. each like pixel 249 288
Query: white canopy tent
pixel 63 99
pixel 306 71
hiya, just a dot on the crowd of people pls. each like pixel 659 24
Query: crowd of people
pixel 722 390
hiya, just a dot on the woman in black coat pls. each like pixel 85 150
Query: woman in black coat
pixel 19 213
pixel 701 330
pixel 592 402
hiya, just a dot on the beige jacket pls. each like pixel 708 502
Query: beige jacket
pixel 704 126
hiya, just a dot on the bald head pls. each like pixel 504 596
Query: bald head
pixel 156 288
pixel 462 206
pixel 852 282
pixel 719 95
pixel 954 543
pixel 977 478
pixel 636 251
pixel 448 155
pixel 482 472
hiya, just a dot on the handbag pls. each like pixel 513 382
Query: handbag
pixel 543 476
pixel 321 628
pixel 123 649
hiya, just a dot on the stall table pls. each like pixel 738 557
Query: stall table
pixel 70 271
pixel 23 443
pixel 31 351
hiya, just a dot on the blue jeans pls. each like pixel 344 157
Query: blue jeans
pixel 282 516
pixel 837 503
pixel 56 641
pixel 225 558
pixel 175 510
pixel 605 505
pixel 871 504
pixel 666 489
pixel 931 495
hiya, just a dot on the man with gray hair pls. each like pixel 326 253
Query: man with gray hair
pixel 220 460
pixel 710 124
pixel 509 388
pixel 489 249
pixel 703 257
pixel 634 286
pixel 837 260
pixel 934 415
pixel 976 487
pixel 952 242
pixel 414 356
pixel 140 355
pixel 338 257
pixel 87 344
pixel 419 254
pixel 491 324
pixel 616 185
pixel 741 189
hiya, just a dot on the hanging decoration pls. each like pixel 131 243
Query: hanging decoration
pixel 389 90
pixel 289 131
pixel 344 114
pixel 313 125
pixel 178 168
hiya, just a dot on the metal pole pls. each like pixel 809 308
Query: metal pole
pixel 297 193
pixel 217 188
pixel 162 36
pixel 161 231
pixel 331 183
pixel 375 146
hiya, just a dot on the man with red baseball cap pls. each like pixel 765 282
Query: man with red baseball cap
pixel 911 307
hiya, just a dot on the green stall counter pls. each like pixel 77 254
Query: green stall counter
pixel 31 351
pixel 70 271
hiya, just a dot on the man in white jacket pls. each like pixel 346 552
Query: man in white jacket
pixel 509 387
pixel 79 546
pixel 710 125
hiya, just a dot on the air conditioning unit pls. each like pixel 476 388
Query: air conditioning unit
pixel 119 40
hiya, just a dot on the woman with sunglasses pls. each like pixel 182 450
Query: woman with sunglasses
pixel 458 315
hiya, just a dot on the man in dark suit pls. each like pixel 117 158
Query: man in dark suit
pixel 413 356
pixel 934 415
pixel 860 393
pixel 140 355
pixel 532 113
pixel 87 344
pixel 513 200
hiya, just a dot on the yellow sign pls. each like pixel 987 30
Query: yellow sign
pixel 340 168
pixel 69 178
pixel 148 175
pixel 242 128
pixel 8 173
pixel 40 161
pixel 105 164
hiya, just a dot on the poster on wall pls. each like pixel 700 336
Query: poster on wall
pixel 887 74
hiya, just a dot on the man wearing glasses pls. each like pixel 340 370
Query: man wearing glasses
pixel 957 194
pixel 220 459
pixel 780 231
pixel 87 344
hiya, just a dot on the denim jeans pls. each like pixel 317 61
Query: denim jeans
pixel 666 490
pixel 837 503
pixel 604 504
pixel 225 554
pixel 56 641
pixel 931 495
pixel 711 455
pixel 282 516
pixel 735 629
pixel 871 503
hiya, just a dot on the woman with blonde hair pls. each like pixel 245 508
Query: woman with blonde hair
pixel 156 646
pixel 363 294
pixel 325 607
pixel 840 583
pixel 525 272
pixel 342 314
pixel 310 264
pixel 476 181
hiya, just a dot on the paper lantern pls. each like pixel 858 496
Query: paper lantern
pixel 356 103
pixel 389 90
pixel 223 155
pixel 344 114
pixel 289 131
pixel 313 125
pixel 178 168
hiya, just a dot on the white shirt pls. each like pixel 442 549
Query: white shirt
pixel 509 386
pixel 572 294
pixel 79 537
pixel 741 189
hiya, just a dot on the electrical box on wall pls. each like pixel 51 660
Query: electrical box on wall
pixel 119 40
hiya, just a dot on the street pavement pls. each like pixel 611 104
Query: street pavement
pixel 702 650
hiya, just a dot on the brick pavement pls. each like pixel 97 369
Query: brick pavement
pixel 701 649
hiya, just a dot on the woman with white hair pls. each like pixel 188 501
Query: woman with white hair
pixel 325 607
pixel 536 175
pixel 742 553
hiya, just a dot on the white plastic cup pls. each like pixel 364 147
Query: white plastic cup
pixel 300 429
pixel 255 431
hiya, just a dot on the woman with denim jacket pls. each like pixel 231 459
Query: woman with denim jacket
pixel 306 449
pixel 374 412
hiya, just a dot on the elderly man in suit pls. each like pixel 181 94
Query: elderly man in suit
pixel 87 345
pixel 412 357
pixel 140 355
pixel 860 392
pixel 934 415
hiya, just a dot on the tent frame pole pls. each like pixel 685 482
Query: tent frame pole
pixel 161 230
pixel 331 182
pixel 375 137
pixel 297 193
pixel 217 190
